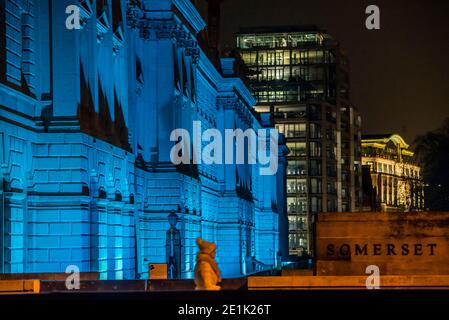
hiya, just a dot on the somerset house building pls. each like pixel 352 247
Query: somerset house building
pixel 87 108
pixel 300 77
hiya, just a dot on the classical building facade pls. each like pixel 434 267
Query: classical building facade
pixel 392 179
pixel 86 114
pixel 300 77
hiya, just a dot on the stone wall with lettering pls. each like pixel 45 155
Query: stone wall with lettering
pixel 398 243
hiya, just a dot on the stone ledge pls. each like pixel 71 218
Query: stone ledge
pixel 425 282
pixel 19 286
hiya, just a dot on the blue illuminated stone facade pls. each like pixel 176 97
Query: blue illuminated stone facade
pixel 85 122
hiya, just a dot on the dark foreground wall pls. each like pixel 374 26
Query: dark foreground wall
pixel 398 243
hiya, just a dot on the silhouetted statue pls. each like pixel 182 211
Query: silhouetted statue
pixel 207 274
pixel 173 248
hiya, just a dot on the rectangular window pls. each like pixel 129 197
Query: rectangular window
pixel 316 56
pixel 291 205
pixel 331 206
pixel 301 130
pixel 315 204
pixel 296 205
pixel 281 128
pixel 331 170
pixel 315 113
pixel 315 149
pixel 315 131
pixel 296 167
pixel 295 130
pixel 290 130
pixel 331 188
pixel 297 149
pixel 296 185
pixel 303 57
pixel 315 186
pixel 295 57
pixel 250 58
pixel 292 223
pixel 315 168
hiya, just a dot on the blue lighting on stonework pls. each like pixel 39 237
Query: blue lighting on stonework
pixel 85 120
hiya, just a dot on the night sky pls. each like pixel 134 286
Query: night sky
pixel 399 74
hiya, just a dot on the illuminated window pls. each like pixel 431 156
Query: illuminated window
pixel 315 149
pixel 281 128
pixel 315 131
pixel 292 223
pixel 297 149
pixel 296 205
pixel 296 167
pixel 296 185
pixel 250 58
pixel 295 130
pixel 316 56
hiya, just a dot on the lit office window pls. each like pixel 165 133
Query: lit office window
pixel 315 149
pixel 296 185
pixel 296 167
pixel 297 149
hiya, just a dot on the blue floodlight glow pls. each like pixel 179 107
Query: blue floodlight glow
pixel 85 120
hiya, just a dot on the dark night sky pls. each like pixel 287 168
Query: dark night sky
pixel 399 74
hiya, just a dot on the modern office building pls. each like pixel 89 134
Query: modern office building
pixel 301 78
pixel 392 179
pixel 87 112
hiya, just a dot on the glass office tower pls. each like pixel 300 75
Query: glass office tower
pixel 301 78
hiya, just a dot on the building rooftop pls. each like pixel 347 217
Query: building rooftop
pixel 376 136
pixel 283 36
pixel 280 29
pixel 381 140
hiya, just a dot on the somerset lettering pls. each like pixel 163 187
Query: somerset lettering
pixel 378 249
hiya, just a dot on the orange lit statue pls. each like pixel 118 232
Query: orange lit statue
pixel 207 274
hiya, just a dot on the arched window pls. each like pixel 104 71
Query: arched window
pixel 102 193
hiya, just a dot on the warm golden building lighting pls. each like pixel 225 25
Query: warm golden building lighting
pixel 392 178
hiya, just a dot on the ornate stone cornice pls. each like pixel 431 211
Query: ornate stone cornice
pixel 133 13
pixel 234 103
pixel 190 13
pixel 156 29
pixel 167 28
pixel 117 40
pixel 191 49
pixel 227 102
pixel 86 11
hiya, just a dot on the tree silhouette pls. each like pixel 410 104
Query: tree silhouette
pixel 432 150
